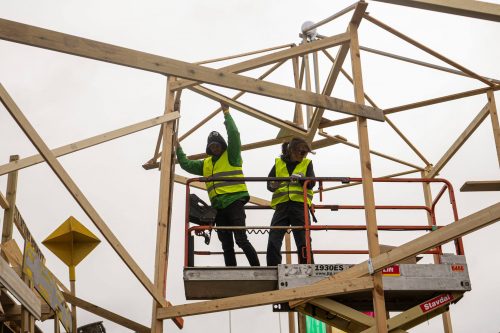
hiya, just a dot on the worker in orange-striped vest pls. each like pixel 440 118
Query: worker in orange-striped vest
pixel 227 197
pixel 288 198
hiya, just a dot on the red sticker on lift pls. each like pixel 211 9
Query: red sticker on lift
pixel 436 302
pixel 391 271
pixel 457 268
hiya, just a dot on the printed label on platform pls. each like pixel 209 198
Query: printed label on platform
pixel 391 271
pixel 436 302
pixel 457 268
pixel 328 270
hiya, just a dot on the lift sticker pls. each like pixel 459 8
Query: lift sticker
pixel 436 302
pixel 328 270
pixel 457 268
pixel 391 271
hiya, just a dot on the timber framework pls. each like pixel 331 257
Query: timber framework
pixel 313 102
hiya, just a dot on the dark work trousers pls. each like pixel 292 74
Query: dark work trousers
pixel 234 216
pixel 289 213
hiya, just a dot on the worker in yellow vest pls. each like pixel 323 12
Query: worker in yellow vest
pixel 288 198
pixel 227 197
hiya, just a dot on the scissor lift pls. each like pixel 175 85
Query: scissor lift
pixel 418 291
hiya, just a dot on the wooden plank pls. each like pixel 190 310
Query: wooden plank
pixel 13 283
pixel 494 121
pixel 8 214
pixel 164 212
pixel 367 184
pixel 288 126
pixel 421 63
pixel 52 40
pixel 350 144
pixel 359 183
pixel 484 185
pixel 469 8
pixel 77 194
pixel 416 105
pixel 275 57
pixel 87 143
pixel 428 50
pixel 13 312
pixel 298 116
pixel 353 108
pixel 13 253
pixel 106 314
pixel 3 201
pixel 462 227
pixel 240 302
pixel 244 54
pixel 459 141
pixel 337 308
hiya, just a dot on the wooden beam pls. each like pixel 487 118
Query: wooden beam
pixel 421 63
pixel 416 105
pixel 106 314
pixel 350 144
pixel 275 57
pixel 343 106
pixel 344 311
pixel 244 54
pixel 459 141
pixel 368 191
pixel 485 185
pixel 359 183
pixel 13 283
pixel 87 143
pixel 494 121
pixel 469 8
pixel 56 41
pixel 164 211
pixel 288 126
pixel 8 214
pixel 3 201
pixel 77 194
pixel 428 50
pixel 240 302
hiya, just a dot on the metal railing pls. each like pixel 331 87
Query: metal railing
pixel 307 225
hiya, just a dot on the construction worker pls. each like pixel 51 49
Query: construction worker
pixel 228 198
pixel 288 198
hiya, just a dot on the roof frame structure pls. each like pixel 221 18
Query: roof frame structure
pixel 193 75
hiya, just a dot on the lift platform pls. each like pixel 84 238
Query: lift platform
pixel 405 285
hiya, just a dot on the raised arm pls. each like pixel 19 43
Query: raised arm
pixel 233 138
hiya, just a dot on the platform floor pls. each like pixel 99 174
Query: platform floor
pixel 405 285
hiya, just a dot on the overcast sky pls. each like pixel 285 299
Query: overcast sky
pixel 67 98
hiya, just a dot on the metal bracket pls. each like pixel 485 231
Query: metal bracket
pixel 370 266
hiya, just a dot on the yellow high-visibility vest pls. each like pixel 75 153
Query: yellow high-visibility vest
pixel 222 168
pixel 287 190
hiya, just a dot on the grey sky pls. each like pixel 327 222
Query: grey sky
pixel 68 98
